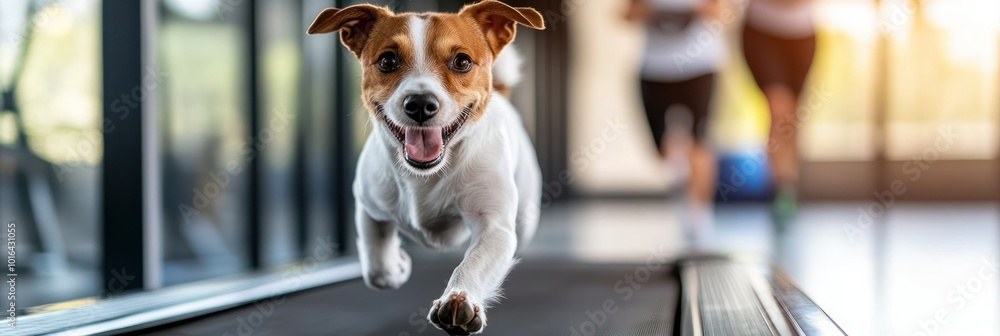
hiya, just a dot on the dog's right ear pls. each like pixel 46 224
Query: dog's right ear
pixel 355 24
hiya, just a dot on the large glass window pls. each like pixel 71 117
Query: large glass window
pixel 51 135
pixel 839 104
pixel 206 150
pixel 209 67
pixel 943 77
pixel 319 134
pixel 281 67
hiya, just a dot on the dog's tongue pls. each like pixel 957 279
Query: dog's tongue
pixel 423 145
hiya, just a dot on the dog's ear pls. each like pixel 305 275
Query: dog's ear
pixel 498 21
pixel 355 24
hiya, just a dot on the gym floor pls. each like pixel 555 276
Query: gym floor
pixel 940 259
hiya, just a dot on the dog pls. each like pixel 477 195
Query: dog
pixel 448 158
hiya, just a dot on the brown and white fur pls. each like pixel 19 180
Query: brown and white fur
pixel 457 163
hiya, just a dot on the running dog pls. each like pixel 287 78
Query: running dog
pixel 448 158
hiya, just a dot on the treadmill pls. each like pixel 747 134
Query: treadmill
pixel 722 296
pixel 700 295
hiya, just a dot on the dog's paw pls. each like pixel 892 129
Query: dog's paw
pixel 390 273
pixel 457 314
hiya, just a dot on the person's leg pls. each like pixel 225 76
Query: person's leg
pixel 703 165
pixel 700 194
pixel 655 104
pixel 700 212
pixel 782 141
pixel 783 152
pixel 657 98
pixel 799 55
pixel 677 144
pixel 784 101
pixel 779 67
pixel 704 173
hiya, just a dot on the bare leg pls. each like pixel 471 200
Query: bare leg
pixel 701 172
pixel 783 143
pixel 783 151
pixel 704 173
pixel 700 195
pixel 676 154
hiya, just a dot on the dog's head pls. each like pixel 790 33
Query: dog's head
pixel 426 76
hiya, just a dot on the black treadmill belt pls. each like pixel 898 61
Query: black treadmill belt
pixel 540 299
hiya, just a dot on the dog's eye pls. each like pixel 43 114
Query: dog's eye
pixel 461 63
pixel 388 62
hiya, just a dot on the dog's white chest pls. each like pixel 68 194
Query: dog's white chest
pixel 429 213
pixel 422 209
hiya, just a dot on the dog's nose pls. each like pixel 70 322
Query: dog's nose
pixel 420 107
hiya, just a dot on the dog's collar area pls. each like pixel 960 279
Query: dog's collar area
pixel 447 133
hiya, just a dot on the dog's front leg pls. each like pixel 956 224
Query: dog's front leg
pixel 384 264
pixel 477 280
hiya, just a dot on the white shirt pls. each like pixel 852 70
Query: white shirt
pixel 696 50
pixel 782 18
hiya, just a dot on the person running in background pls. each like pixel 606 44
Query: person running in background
pixel 779 41
pixel 682 55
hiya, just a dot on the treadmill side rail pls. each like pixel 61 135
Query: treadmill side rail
pixel 808 317
pixel 720 296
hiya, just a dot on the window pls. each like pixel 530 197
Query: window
pixel 51 134
pixel 210 67
pixel 206 149
pixel 943 72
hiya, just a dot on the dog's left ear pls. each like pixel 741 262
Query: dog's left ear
pixel 498 21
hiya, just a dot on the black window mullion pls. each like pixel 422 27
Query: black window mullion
pixel 302 134
pixel 343 163
pixel 122 227
pixel 253 110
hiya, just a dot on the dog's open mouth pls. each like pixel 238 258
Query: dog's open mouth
pixel 424 146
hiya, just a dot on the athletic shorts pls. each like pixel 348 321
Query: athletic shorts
pixel 778 61
pixel 694 93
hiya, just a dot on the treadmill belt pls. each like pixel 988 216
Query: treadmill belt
pixel 540 299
